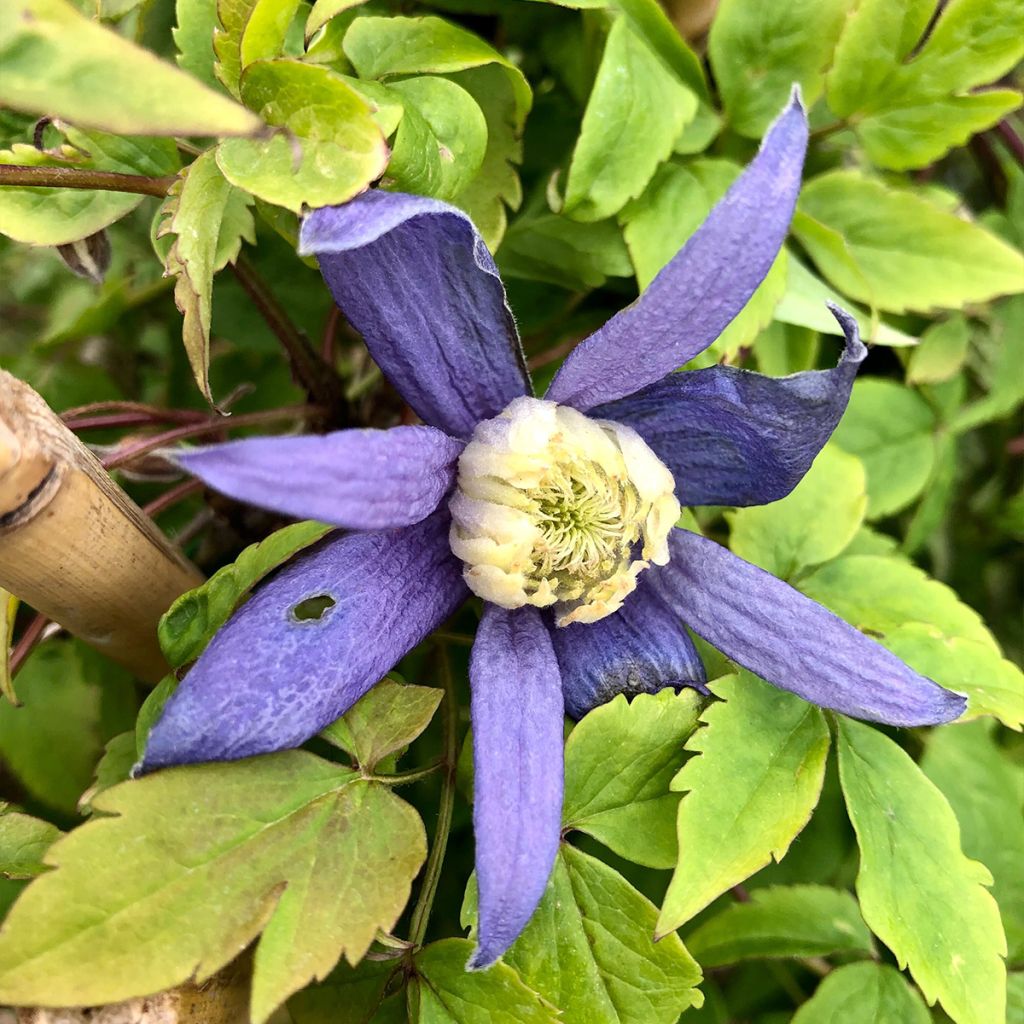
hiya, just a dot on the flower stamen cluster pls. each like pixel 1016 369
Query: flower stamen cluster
pixel 555 508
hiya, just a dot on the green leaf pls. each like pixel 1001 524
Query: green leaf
pixel 288 844
pixel 553 248
pixel 55 216
pixel 748 795
pixel 759 50
pixel 386 719
pixel 323 11
pixel 918 892
pixel 193 36
pixel 1015 998
pixel 385 47
pixel 863 994
pixel 674 205
pixel 23 841
pixel 895 250
pixel 589 949
pixel 329 148
pixel 496 188
pixel 352 995
pixel 619 761
pixel 986 791
pixel 911 111
pixel 8 612
pixel 441 139
pixel 941 353
pixel 208 218
pixel 783 921
pixel 891 429
pixel 1005 354
pixel 443 992
pixel 879 594
pixel 250 30
pixel 636 111
pixel 189 624
pixel 811 525
pixel 803 304
pixel 994 686
pixel 97 79
pixel 115 766
pixel 73 701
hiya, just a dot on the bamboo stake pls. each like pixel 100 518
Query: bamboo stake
pixel 73 545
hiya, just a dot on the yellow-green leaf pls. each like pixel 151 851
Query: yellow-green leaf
pixel 58 62
pixel 918 892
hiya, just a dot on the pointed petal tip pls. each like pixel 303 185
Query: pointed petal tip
pixel 482 959
pixel 856 351
pixel 796 98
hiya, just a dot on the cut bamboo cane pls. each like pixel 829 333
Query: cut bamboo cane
pixel 73 545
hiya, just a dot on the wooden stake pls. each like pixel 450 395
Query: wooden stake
pixel 73 545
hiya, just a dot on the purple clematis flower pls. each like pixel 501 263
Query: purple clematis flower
pixel 559 512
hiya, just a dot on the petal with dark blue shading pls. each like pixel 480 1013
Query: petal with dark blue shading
pixel 413 275
pixel 516 707
pixel 271 678
pixel 791 641
pixel 642 648
pixel 695 296
pixel 359 479
pixel 734 437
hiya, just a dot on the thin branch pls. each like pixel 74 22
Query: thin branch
pixel 27 642
pixel 449 762
pixel 311 373
pixel 172 496
pixel 74 177
pixel 212 426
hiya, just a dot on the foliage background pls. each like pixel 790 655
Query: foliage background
pixel 587 141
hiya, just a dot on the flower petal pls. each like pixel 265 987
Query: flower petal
pixel 733 437
pixel 518 772
pixel 642 648
pixel 360 479
pixel 789 640
pixel 272 678
pixel 703 287
pixel 413 275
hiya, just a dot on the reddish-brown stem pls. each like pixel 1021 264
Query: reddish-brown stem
pixel 311 373
pixel 1013 141
pixel 330 336
pixel 26 642
pixel 175 494
pixel 154 413
pixel 76 177
pixel 213 426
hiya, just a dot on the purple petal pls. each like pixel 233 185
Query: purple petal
pixel 517 763
pixel 360 479
pixel 774 631
pixel 703 287
pixel 642 648
pixel 271 679
pixel 733 437
pixel 413 275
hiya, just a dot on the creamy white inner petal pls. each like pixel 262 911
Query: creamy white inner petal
pixel 555 508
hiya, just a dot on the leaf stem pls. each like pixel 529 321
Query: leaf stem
pixel 311 373
pixel 449 760
pixel 26 643
pixel 413 775
pixel 75 177
pixel 249 419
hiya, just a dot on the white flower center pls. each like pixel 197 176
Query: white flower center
pixel 554 508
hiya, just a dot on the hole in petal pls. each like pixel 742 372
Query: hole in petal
pixel 313 608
